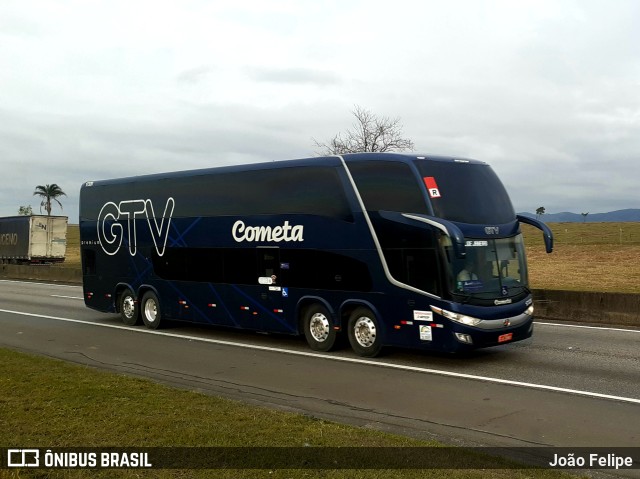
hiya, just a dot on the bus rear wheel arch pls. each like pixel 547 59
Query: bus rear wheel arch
pixel 128 308
pixel 150 310
pixel 318 328
pixel 364 332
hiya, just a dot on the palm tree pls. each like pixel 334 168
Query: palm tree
pixel 49 193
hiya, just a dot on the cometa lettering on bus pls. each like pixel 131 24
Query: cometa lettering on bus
pixel 286 232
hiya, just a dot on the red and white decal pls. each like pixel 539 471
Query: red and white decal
pixel 432 186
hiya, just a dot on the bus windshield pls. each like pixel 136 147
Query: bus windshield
pixel 466 192
pixel 493 269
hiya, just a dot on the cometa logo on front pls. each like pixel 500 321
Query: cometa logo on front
pixel 276 234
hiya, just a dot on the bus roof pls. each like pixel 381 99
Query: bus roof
pixel 314 161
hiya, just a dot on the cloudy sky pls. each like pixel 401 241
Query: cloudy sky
pixel 547 92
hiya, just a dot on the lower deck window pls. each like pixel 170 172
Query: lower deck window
pixel 296 268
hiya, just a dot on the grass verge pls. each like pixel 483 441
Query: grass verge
pixel 50 403
pixel 598 257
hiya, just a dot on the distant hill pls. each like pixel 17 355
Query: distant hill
pixel 620 216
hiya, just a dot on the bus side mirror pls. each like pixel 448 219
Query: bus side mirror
pixel 547 234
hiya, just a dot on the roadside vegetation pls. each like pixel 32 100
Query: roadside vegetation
pixel 72 257
pixel 601 257
pixel 49 403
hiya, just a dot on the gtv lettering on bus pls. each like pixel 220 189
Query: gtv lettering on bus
pixel 113 218
pixel 276 234
pixel 111 230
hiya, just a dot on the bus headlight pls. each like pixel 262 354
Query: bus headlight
pixel 529 311
pixel 458 318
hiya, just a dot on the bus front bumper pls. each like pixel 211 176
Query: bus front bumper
pixel 492 332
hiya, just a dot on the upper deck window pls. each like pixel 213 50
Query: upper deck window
pixel 313 190
pixel 388 185
pixel 466 192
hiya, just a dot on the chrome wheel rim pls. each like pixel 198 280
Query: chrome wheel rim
pixel 319 327
pixel 365 332
pixel 128 307
pixel 151 310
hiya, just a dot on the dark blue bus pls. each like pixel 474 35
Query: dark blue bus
pixel 384 249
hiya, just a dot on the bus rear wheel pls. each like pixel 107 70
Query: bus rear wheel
pixel 128 307
pixel 318 330
pixel 364 333
pixel 150 308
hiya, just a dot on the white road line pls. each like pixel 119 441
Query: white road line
pixel 41 284
pixel 600 328
pixel 67 297
pixel 343 359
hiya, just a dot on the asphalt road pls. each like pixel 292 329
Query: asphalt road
pixel 567 386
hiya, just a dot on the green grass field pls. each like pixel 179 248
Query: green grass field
pixel 601 257
pixel 72 256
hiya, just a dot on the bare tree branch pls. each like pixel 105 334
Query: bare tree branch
pixel 369 133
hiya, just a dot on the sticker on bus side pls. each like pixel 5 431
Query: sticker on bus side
pixel 422 315
pixel 432 186
pixel 425 333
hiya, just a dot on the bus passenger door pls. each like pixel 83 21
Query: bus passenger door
pixel 271 291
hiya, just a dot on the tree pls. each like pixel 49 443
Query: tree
pixel 369 133
pixel 25 210
pixel 49 193
pixel 539 212
pixel 584 216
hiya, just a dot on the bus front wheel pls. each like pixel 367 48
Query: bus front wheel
pixel 128 307
pixel 364 333
pixel 318 330
pixel 150 308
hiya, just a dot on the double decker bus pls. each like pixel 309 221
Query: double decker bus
pixel 386 249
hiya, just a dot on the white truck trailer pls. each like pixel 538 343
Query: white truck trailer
pixel 33 239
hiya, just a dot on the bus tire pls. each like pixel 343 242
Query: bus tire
pixel 150 310
pixel 318 330
pixel 364 333
pixel 128 307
